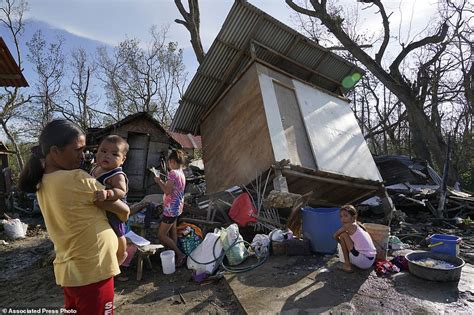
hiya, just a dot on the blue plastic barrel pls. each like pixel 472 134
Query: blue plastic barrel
pixel 445 244
pixel 319 225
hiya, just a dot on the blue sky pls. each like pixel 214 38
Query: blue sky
pixel 91 23
pixel 110 21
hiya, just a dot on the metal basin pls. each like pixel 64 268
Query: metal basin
pixel 435 274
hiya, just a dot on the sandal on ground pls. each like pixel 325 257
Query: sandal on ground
pixel 181 262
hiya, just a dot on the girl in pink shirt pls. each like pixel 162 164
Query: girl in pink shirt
pixel 356 243
pixel 173 201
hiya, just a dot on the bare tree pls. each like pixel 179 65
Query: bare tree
pixel 48 60
pixel 80 107
pixel 426 136
pixel 192 22
pixel 143 80
pixel 13 100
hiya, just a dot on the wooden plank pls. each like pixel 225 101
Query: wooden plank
pixel 198 221
pixel 324 193
pixel 134 165
pixel 329 180
pixel 235 136
pixel 319 74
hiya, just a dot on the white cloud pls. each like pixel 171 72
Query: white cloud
pixel 110 21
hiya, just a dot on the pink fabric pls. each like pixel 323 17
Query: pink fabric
pixel 131 250
pixel 363 242
pixel 173 203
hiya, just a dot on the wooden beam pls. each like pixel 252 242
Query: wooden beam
pixel 296 63
pixel 329 180
pixel 198 221
pixel 273 67
pixel 10 77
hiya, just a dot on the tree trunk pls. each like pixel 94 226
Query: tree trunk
pixel 427 143
pixel 15 145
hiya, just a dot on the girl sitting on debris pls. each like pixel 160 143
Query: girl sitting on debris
pixel 356 243
pixel 173 201
pixel 84 242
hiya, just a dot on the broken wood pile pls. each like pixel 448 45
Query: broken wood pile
pixel 413 184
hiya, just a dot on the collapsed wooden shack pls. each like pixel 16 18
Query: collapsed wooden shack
pixel 149 144
pixel 10 76
pixel 265 93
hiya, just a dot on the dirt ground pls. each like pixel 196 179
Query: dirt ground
pixel 292 285
pixel 26 282
pixel 315 285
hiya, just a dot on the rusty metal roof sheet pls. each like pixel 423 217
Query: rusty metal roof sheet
pixel 187 141
pixel 10 73
pixel 250 34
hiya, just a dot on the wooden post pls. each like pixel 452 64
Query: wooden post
pixel 443 187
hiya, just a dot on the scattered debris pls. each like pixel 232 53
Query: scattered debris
pixel 412 183
pixel 182 298
pixel 280 199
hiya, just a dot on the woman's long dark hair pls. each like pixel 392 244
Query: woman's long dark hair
pixel 57 133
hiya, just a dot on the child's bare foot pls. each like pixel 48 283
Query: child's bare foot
pixel 346 268
pixel 180 261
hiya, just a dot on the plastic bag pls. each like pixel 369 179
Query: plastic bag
pixel 236 252
pixel 260 245
pixel 14 228
pixel 203 258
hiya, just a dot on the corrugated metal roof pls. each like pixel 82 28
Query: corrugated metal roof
pixel 250 34
pixel 10 73
pixel 187 141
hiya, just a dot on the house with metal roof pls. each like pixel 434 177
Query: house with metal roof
pixel 10 72
pixel 149 144
pixel 265 93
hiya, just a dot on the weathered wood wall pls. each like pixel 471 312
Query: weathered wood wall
pixel 235 136
pixel 147 143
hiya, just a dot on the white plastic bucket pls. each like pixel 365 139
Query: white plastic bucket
pixel 167 262
pixel 379 234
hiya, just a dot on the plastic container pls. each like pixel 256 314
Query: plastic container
pixel 167 262
pixel 379 234
pixel 319 226
pixel 434 274
pixel 445 244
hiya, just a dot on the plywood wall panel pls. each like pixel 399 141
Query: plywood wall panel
pixel 235 136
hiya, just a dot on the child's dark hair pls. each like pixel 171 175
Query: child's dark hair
pixel 117 140
pixel 353 212
pixel 179 156
pixel 57 133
